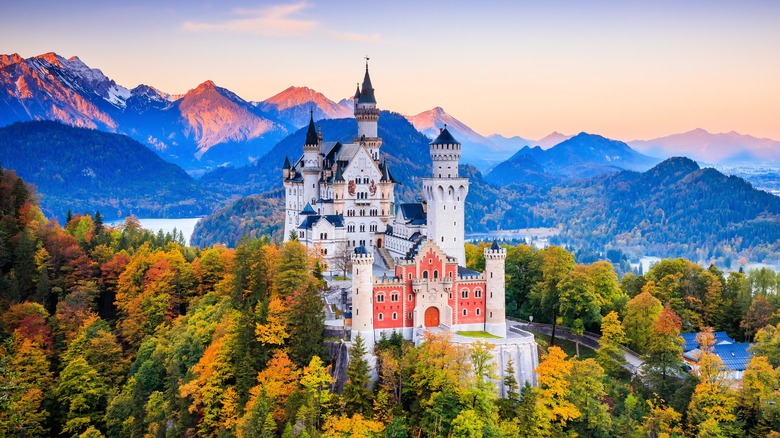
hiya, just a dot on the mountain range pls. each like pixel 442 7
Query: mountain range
pixel 85 170
pixel 210 126
pixel 703 146
pixel 582 156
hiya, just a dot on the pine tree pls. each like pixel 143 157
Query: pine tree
pixel 357 395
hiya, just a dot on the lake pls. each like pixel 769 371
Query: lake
pixel 185 225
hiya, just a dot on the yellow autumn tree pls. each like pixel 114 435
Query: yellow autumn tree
pixel 553 410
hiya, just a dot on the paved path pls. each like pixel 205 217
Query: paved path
pixel 588 340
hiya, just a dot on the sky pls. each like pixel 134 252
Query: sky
pixel 624 69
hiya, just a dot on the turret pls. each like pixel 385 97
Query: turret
pixel 495 307
pixel 311 163
pixel 445 194
pixel 362 296
pixel 367 116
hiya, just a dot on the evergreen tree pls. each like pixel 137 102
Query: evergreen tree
pixel 357 395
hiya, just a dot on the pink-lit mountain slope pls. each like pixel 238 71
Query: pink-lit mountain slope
pixel 481 151
pixel 293 105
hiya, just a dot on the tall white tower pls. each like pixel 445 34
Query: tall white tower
pixel 312 165
pixel 362 296
pixel 446 197
pixel 367 116
pixel 495 304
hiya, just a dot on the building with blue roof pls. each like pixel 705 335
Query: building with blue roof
pixel 734 355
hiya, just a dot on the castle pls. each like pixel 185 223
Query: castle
pixel 408 260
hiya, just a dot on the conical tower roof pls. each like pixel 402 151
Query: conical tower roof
pixel 445 137
pixel 367 91
pixel 311 133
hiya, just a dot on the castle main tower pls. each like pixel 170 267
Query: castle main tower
pixel 312 164
pixel 367 116
pixel 495 304
pixel 445 194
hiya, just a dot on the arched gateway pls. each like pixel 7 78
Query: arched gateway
pixel 432 317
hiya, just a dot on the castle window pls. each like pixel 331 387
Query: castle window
pixel 410 297
pixel 409 315
pixel 491 314
pixel 450 295
pixel 425 274
pixel 380 317
pixel 301 234
pixel 394 297
pixel 491 275
pixel 477 293
pixel 491 294
pixel 380 298
pixel 362 227
pixel 373 227
pixel 410 277
pixel 435 274
pixel 464 293
pixel 442 238
pixel 395 316
pixel 465 312
pixel 477 311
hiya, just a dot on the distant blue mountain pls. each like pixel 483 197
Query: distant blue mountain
pixel 582 156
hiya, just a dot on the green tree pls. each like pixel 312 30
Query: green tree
pixel 84 394
pixel 556 264
pixel 587 393
pixel 641 313
pixel 357 394
pixel 610 352
pixel 580 305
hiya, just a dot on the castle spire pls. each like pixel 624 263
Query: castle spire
pixel 367 91
pixel 311 134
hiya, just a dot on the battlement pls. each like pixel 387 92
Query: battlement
pixel 389 281
pixel 495 254
pixel 363 259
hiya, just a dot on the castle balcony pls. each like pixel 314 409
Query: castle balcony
pixel 417 285
pixel 446 284
pixel 363 201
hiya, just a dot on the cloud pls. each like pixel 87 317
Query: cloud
pixel 273 21
pixel 357 37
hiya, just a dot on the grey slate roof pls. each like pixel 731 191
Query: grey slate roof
pixel 413 213
pixel 308 210
pixel 466 272
pixel 445 137
pixel 494 246
pixel 334 219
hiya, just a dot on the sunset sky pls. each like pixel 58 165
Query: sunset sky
pixel 623 69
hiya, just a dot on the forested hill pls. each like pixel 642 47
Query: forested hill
pixel 82 170
pixel 405 149
pixel 674 209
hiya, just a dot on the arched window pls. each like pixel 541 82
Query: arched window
pixel 380 317
pixel 435 274
pixel 425 274
pixel 464 293
pixel 394 297
pixel 477 311
pixel 380 298
pixel 395 316
pixel 477 293
pixel 465 312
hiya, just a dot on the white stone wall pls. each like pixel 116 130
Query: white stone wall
pixel 446 198
pixel 362 298
pixel 495 283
